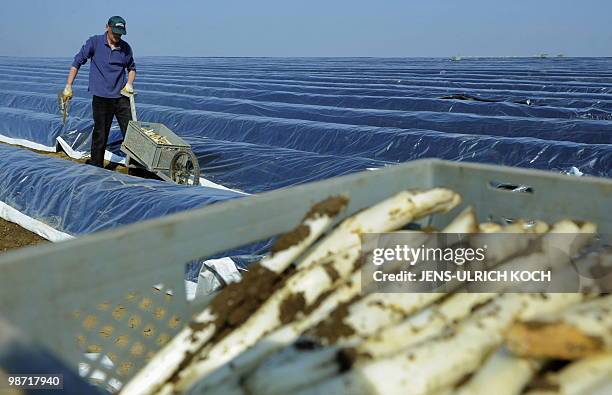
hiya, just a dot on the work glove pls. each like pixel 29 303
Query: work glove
pixel 67 92
pixel 128 88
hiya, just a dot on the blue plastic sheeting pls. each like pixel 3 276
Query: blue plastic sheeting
pixel 78 199
pixel 258 124
pixel 284 167
pixel 240 163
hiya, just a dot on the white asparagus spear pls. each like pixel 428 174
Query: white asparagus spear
pixel 393 338
pixel 431 365
pixel 592 317
pixel 501 374
pixel 430 321
pixel 541 304
pixel 314 224
pixel 323 361
pixel 579 378
pixel 538 304
pixel 315 365
pixel 489 227
pixel 192 338
pixel 312 369
pixel 456 307
pixel 465 222
pixel 300 292
pixel 376 311
pixel 368 315
pixel 385 216
pixel 439 362
pixel 248 360
pixel 388 215
pixel 587 275
pixel 418 328
pixel 425 324
pixel 555 253
pixel 505 373
pixel 515 238
pixel 583 330
pixel 290 332
pixel 283 389
pixel 443 391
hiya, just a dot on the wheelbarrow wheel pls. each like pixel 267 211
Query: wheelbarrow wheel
pixel 185 169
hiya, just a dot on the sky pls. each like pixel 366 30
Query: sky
pixel 394 28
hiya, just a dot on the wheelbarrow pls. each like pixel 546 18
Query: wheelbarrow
pixel 154 147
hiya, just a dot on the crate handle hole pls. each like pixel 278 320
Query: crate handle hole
pixel 511 187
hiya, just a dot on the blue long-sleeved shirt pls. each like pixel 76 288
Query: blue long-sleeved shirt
pixel 107 74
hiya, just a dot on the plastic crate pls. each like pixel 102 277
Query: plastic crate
pixel 96 294
pixel 150 153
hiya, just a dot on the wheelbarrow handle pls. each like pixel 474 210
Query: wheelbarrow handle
pixel 132 103
pixel 133 108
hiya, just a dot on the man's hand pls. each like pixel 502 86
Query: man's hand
pixel 67 92
pixel 128 88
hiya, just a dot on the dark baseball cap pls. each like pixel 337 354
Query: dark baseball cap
pixel 117 24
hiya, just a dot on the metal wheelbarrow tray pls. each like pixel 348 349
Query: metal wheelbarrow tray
pixel 118 295
pixel 161 151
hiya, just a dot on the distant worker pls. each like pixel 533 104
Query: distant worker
pixel 110 58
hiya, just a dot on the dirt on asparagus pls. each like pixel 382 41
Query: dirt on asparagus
pixel 291 307
pixel 329 207
pixel 238 301
pixel 290 239
pixel 333 328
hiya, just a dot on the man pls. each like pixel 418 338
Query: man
pixel 110 58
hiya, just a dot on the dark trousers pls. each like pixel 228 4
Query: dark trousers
pixel 104 109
